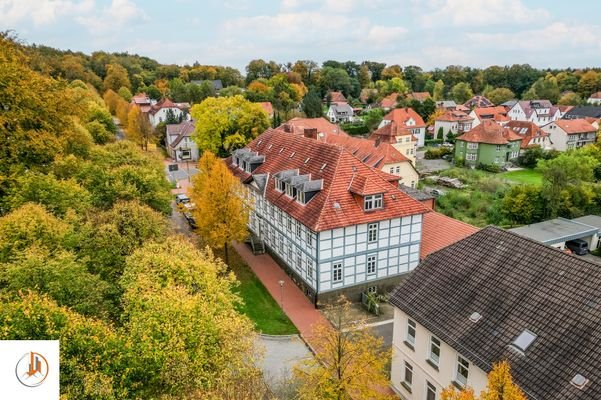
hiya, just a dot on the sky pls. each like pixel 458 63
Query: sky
pixel 427 33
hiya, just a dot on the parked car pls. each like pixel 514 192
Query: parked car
pixel 578 246
pixel 181 199
pixel 191 220
pixel 436 192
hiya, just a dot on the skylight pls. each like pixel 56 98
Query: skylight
pixel 475 317
pixel 524 340
pixel 579 381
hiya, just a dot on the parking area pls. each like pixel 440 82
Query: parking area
pixel 183 172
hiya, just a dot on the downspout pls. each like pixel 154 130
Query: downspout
pixel 317 272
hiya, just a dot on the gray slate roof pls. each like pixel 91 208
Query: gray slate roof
pixel 583 112
pixel 516 284
pixel 417 194
pixel 555 231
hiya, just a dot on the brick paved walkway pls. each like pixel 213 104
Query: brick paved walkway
pixel 297 306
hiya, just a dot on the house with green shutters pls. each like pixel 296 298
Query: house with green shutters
pixel 488 143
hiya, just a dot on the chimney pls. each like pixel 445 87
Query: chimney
pixel 310 133
pixel 287 128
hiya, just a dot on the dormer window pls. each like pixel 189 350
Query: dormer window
pixel 372 202
pixel 301 197
pixel 279 185
pixel 290 190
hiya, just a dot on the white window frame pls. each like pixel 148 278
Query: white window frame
pixel 408 368
pixel 309 238
pixel 430 390
pixel 371 264
pixel 372 232
pixel 462 363
pixel 435 359
pixel 411 326
pixel 337 272
pixel 472 146
pixel 299 230
pixel 372 202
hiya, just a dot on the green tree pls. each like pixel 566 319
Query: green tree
pixel 462 92
pixel 523 204
pixel 500 95
pixel 570 99
pixel 222 208
pixel 312 104
pixel 335 79
pixel 99 133
pixel 438 90
pixel 226 122
pixel 545 88
pixel 589 83
pixel 372 118
pixel 116 78
pixel 125 93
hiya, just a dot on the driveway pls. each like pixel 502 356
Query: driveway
pixel 280 357
pixel 183 173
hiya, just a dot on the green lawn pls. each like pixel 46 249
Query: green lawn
pixel 259 306
pixel 525 176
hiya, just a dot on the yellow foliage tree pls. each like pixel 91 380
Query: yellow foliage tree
pixel 349 362
pixel 500 387
pixel 139 129
pixel 222 206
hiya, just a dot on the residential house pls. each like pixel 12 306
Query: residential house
pixel 160 111
pixel 583 112
pixel 509 104
pixel 340 112
pixel 478 102
pixel 531 134
pixel 568 134
pixel 380 155
pixel 389 102
pixel 419 96
pixel 406 119
pixel 267 107
pixel 334 223
pixel 540 112
pixel 335 97
pixel 448 105
pixel 423 196
pixel 497 114
pixel 488 143
pixel 556 232
pixel 595 99
pixel 453 122
pixel 179 143
pixel 143 101
pixel 400 138
pixel 497 296
pixel 563 110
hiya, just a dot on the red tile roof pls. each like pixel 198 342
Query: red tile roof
pixel 498 113
pixel 575 126
pixel 490 132
pixel 400 116
pixel 419 96
pixel 527 130
pixel 334 206
pixel 298 125
pixel 453 116
pixel 388 134
pixel 565 109
pixel 167 103
pixel 595 95
pixel 337 97
pixel 478 102
pixel 141 99
pixel 439 231
pixel 389 101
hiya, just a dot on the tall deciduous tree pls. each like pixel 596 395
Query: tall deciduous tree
pixel 349 362
pixel 438 91
pixel 222 206
pixel 139 129
pixel 500 95
pixel 462 92
pixel 116 77
pixel 500 386
pixel 225 123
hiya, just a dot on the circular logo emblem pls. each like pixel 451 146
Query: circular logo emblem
pixel 32 369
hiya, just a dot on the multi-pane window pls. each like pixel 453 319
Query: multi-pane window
pixel 280 215
pixel 289 223
pixel 372 202
pixel 472 146
pixel 372 233
pixel 434 350
pixel 290 257
pixel 299 261
pixel 392 170
pixel 408 380
pixel 301 197
pixel 371 265
pixel 281 245
pixel 372 289
pixel 411 331
pixel 430 391
pixel 463 367
pixel 337 272
pixel 470 157
pixel 309 239
pixel 299 230
pixel 310 270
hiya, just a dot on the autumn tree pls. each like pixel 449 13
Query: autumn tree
pixel 589 83
pixel 500 95
pixel 222 205
pixel 227 123
pixel 570 99
pixel 500 386
pixel 349 362
pixel 116 78
pixel 139 129
pixel 438 91
pixel 523 204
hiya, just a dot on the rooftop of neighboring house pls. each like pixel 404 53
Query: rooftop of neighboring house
pixel 177 132
pixel 341 108
pixel 509 103
pixel 446 104
pixel 462 108
pixel 583 111
pixel 478 102
pixel 564 109
pixel 389 133
pixel 575 126
pixel 419 96
pixel 417 194
pixel 454 116
pixel 336 97
pixel 389 101
pixel 323 126
pixel 140 99
pixel 167 103
pixel 401 116
pixel 496 295
pixel 592 220
pixel 439 231
pixel 527 130
pixel 537 106
pixel 498 113
pixel 267 107
pixel 596 95
pixel 555 231
pixel 331 177
pixel 489 132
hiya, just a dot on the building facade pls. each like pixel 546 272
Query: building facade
pixel 567 134
pixel 179 143
pixel 406 119
pixel 333 223
pixel 453 122
pixel 540 112
pixel 488 144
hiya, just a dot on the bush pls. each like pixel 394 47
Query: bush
pixel 355 129
pixel 437 152
pixel 432 142
pixel 488 167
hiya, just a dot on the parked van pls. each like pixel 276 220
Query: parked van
pixel 578 246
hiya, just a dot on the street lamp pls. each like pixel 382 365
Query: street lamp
pixel 281 282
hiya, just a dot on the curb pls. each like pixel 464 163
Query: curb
pixel 279 337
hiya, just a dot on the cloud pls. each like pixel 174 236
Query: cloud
pixel 481 13
pixel 112 18
pixel 41 12
pixel 379 35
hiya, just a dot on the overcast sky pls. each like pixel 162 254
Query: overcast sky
pixel 428 33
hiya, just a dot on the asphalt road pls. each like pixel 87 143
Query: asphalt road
pixel 385 332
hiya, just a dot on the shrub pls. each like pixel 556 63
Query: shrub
pixel 437 152
pixel 488 167
pixel 355 129
pixel 433 142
